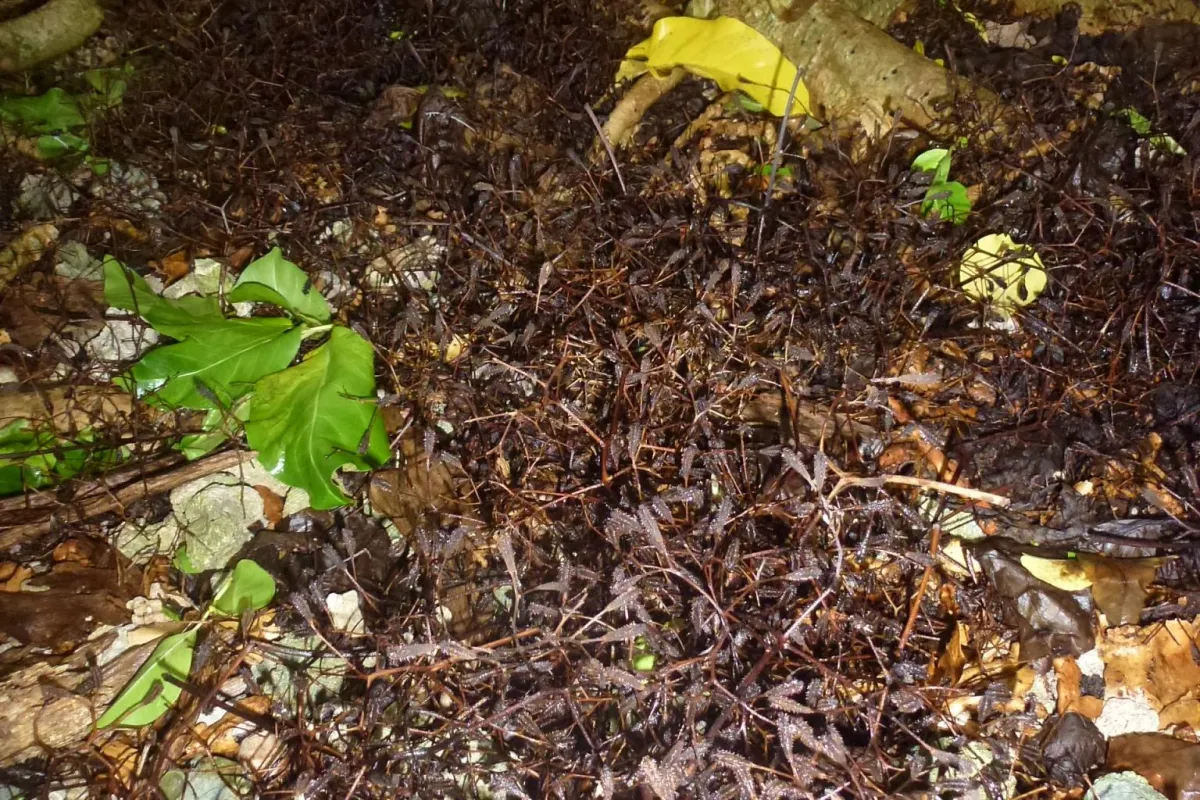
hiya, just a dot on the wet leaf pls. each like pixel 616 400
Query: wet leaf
pixel 1159 141
pixel 32 459
pixel 947 201
pixel 935 160
pixel 319 415
pixel 218 362
pixel 1157 664
pixel 1167 763
pixel 53 112
pixel 109 83
pixel 273 279
pixel 149 695
pixel 953 659
pixel 55 145
pixel 998 270
pixel 1062 573
pixel 248 588
pixel 1051 621
pixel 218 425
pixel 126 290
pixel 1119 585
pixel 725 50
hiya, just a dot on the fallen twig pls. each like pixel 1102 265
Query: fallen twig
pixel 102 498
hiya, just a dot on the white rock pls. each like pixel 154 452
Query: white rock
pixel 76 263
pixel 211 516
pixel 345 613
pixel 413 265
pixel 1127 714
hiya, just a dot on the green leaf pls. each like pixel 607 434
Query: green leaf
pixel 183 562
pixel 21 467
pixel 749 103
pixel 273 279
pixel 56 145
pixel 32 459
pixel 125 289
pixel 1139 123
pixel 248 588
pixel 219 424
pixel 948 201
pixel 1162 142
pixel 765 171
pixel 217 363
pixel 936 161
pixel 310 419
pixel 54 112
pixel 148 696
pixel 110 83
pixel 99 166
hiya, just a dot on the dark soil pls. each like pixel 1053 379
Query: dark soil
pixel 650 368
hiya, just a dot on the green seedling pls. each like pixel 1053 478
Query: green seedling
pixel 944 199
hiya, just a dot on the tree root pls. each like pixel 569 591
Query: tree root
pixel 646 91
pixel 49 31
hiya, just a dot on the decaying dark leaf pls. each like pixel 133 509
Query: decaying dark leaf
pixel 1052 622
pixel 1068 748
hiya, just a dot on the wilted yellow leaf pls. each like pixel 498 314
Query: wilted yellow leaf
pixel 999 270
pixel 725 50
pixel 1062 573
pixel 452 351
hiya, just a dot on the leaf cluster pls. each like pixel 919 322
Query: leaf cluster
pixel 33 459
pixel 306 420
pixel 57 120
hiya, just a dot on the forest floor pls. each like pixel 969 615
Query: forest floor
pixel 693 493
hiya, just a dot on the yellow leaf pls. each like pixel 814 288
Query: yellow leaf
pixel 1061 573
pixel 999 270
pixel 453 350
pixel 725 50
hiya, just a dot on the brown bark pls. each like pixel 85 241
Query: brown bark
pixel 45 707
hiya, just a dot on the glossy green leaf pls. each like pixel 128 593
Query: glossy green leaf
pixel 125 289
pixel 22 465
pixel 217 363
pixel 218 425
pixel 148 696
pixel 53 112
pixel 56 145
pixel 1139 123
pixel 248 588
pixel 273 279
pixel 947 201
pixel 311 419
pixel 936 161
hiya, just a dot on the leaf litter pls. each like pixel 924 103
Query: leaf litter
pixel 680 498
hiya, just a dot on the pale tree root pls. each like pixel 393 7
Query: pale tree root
pixel 49 31
pixel 622 122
